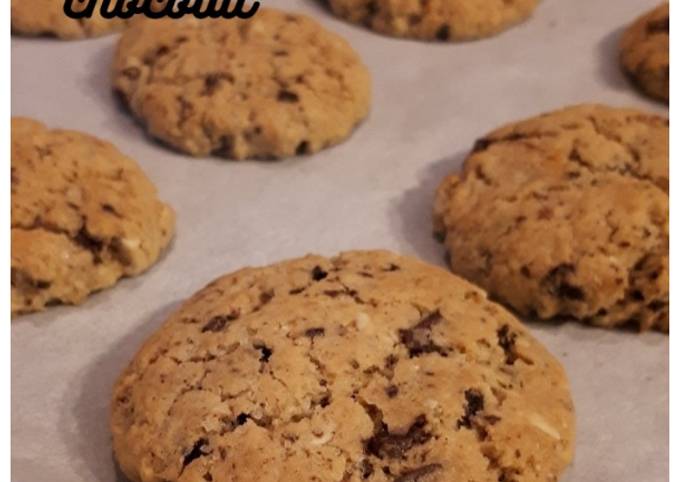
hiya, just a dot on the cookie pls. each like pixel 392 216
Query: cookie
pixel 645 52
pixel 273 86
pixel 83 215
pixel 368 366
pixel 436 19
pixel 47 17
pixel 566 215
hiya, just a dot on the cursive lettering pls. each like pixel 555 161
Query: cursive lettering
pixel 125 9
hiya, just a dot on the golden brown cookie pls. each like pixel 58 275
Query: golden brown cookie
pixel 272 86
pixel 435 19
pixel 368 366
pixel 566 215
pixel 47 17
pixel 83 215
pixel 645 52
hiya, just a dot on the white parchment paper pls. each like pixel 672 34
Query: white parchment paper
pixel 431 102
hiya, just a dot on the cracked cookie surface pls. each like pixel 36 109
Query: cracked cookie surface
pixel 83 215
pixel 436 19
pixel 273 86
pixel 645 52
pixel 47 17
pixel 368 366
pixel 566 215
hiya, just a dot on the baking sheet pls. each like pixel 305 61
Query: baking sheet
pixel 431 101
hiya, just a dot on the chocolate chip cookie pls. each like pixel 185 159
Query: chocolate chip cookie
pixel 273 86
pixel 83 216
pixel 645 52
pixel 566 215
pixel 368 366
pixel 47 17
pixel 436 19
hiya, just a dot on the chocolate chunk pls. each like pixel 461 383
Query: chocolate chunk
pixel 287 96
pixel 198 450
pixel 474 403
pixel 345 291
pixel 657 305
pixel 131 73
pixel 417 474
pixel 443 33
pixel 86 241
pixel 318 274
pixel 571 292
pixel 392 391
pixel 42 284
pixel 576 157
pixel 312 332
pixel 557 284
pixel 302 148
pixel 659 26
pixel 265 351
pixel 162 50
pixel 418 340
pixel 366 469
pixel 429 321
pixel 508 474
pixel 637 295
pixel 266 296
pixel 484 143
pixel 219 322
pixel 492 419
pixel 211 82
pixel 371 8
pixel 226 146
pixel 384 444
pixel 108 208
pixel 481 145
pixel 506 340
